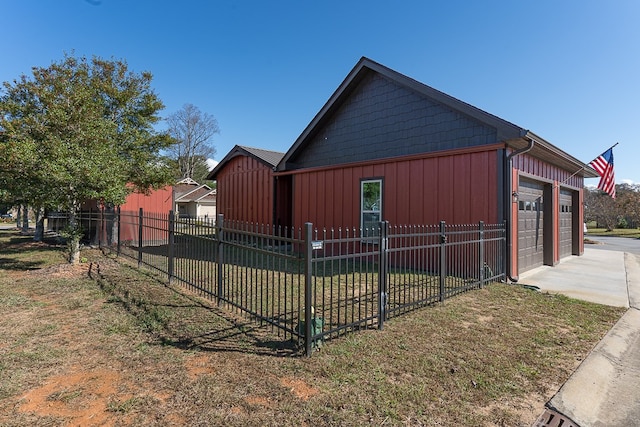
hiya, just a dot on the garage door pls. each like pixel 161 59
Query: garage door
pixel 566 223
pixel 530 225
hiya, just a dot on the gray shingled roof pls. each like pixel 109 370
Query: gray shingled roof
pixel 267 157
pixel 270 157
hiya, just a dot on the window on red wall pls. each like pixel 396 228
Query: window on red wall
pixel 370 206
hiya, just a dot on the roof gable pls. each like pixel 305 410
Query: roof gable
pixel 422 114
pixel 193 192
pixel 382 119
pixel 414 93
pixel 183 188
pixel 266 157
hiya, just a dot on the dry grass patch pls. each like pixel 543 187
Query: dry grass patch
pixel 107 344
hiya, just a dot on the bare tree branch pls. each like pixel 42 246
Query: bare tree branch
pixel 194 131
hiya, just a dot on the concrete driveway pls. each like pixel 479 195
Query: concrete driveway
pixel 598 276
pixel 604 390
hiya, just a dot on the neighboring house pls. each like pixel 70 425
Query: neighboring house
pixel 386 147
pixel 193 200
pixel 156 202
pixel 247 188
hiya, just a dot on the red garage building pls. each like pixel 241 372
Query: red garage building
pixel 250 189
pixel 386 147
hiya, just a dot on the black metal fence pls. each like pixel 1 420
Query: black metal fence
pixel 309 285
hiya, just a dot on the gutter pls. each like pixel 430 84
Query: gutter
pixel 508 200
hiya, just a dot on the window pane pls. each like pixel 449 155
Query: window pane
pixel 370 220
pixel 371 196
pixel 371 209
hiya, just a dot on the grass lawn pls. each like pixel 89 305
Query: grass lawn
pixel 103 343
pixel 616 232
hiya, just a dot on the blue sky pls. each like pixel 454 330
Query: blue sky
pixel 566 70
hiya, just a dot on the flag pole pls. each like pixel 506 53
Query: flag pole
pixel 582 168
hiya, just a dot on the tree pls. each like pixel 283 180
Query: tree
pixel 600 207
pixel 610 213
pixel 194 131
pixel 81 130
pixel 628 202
pixel 200 169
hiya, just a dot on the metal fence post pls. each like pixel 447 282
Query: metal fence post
pixel 443 259
pixel 308 254
pixel 118 231
pixel 140 216
pixel 383 260
pixel 171 248
pixel 92 237
pixel 102 228
pixel 220 254
pixel 481 252
pixel 505 248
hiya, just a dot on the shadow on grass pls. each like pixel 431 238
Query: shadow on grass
pixel 15 245
pixel 190 323
pixel 18 265
pixel 236 338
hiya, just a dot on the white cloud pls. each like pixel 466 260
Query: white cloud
pixel 212 164
pixel 628 181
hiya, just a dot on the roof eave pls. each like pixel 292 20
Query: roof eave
pixel 548 152
pixel 355 74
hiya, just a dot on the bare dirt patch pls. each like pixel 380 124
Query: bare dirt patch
pixel 80 397
pixel 259 401
pixel 299 388
pixel 198 365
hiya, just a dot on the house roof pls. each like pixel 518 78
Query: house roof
pixel 266 157
pixel 512 135
pixel 188 190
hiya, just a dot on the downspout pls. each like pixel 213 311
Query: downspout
pixel 274 211
pixel 509 202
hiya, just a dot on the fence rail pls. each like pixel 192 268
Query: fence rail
pixel 309 285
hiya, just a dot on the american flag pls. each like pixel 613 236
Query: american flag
pixel 603 164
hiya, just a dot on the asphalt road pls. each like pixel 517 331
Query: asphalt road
pixel 622 244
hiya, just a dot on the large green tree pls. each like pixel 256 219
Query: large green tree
pixel 81 129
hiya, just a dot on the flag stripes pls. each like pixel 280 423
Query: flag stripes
pixel 603 164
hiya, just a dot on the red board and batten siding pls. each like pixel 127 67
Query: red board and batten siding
pixel 156 204
pixel 245 191
pixel 539 168
pixel 457 188
pixel 158 201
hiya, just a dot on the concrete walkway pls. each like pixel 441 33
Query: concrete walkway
pixel 605 389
